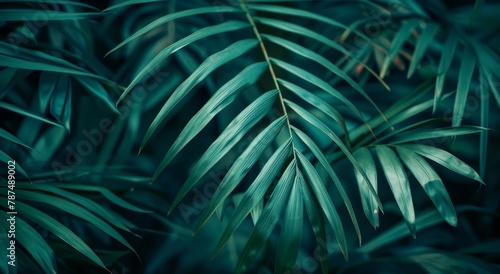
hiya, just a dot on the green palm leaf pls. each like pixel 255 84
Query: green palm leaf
pixel 398 181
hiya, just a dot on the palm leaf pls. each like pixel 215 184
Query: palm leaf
pixel 268 219
pixel 464 80
pixel 291 235
pixel 431 183
pixel 241 167
pixel 369 202
pixel 197 35
pixel 227 139
pixel 255 192
pixel 398 181
pixel 57 229
pixel 324 201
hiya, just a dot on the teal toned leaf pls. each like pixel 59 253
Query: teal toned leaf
pixel 6 158
pixel 16 14
pixel 61 2
pixel 467 65
pixel 398 181
pixel 397 43
pixel 325 202
pixel 424 41
pixel 317 102
pixel 92 206
pixel 291 234
pixel 166 52
pixel 58 229
pixel 318 227
pixel 370 208
pixel 47 85
pixel 477 7
pixel 128 3
pixel 270 216
pixel 23 58
pixel 306 53
pixel 76 210
pixel 431 183
pixel 444 64
pixel 222 97
pixel 485 105
pixel 311 78
pixel 32 241
pixel 97 91
pixel 226 140
pixel 437 133
pixel 165 19
pixel 106 193
pixel 297 29
pixel 400 231
pixel 8 136
pixel 255 193
pixel 26 113
pixel 241 167
pixel 328 132
pixel 445 159
pixel 324 162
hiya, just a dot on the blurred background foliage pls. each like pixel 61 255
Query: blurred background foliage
pixel 83 194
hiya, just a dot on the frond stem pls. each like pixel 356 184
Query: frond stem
pixel 271 69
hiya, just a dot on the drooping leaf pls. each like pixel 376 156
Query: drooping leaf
pixel 370 208
pixel 325 202
pixel 318 227
pixel 255 193
pixel 90 205
pixel 397 43
pixel 97 91
pixel 166 52
pixel 314 80
pixel 431 182
pixel 437 133
pixel 241 167
pixel 324 162
pixel 445 159
pixel 304 52
pixel 28 59
pixel 23 112
pixel 444 64
pixel 270 216
pixel 291 234
pixel 328 132
pixel 105 193
pixel 424 41
pixel 317 102
pixel 398 181
pixel 8 136
pixel 222 97
pixel 485 105
pixel 467 65
pixel 226 140
pixel 32 241
pixel 73 209
pixel 57 229
pixel 165 19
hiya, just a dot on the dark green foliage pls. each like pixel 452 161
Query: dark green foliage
pixel 288 120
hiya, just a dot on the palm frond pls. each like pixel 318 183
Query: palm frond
pixel 293 107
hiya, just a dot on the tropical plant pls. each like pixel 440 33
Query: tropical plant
pixel 310 112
